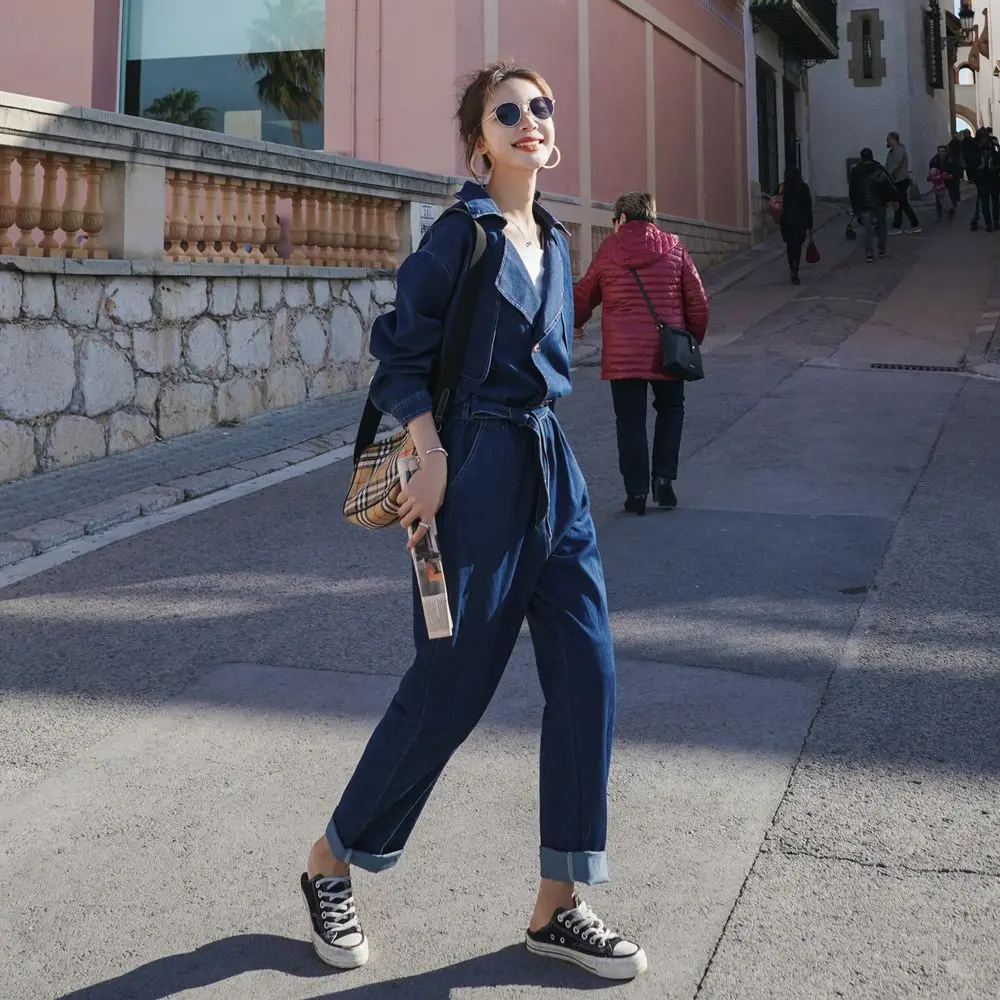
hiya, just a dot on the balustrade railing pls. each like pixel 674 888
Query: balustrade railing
pixel 81 184
pixel 217 219
pixel 56 194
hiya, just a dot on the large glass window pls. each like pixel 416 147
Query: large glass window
pixel 250 68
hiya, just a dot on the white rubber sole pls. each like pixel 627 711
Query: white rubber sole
pixel 338 958
pixel 606 968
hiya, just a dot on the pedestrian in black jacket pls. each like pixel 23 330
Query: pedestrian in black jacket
pixel 871 190
pixel 796 218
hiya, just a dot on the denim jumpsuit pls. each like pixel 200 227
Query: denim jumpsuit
pixel 517 541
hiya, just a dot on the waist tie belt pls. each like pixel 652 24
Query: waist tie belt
pixel 535 419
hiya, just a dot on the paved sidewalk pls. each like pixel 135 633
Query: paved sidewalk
pixel 47 510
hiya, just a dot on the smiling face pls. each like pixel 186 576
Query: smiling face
pixel 524 147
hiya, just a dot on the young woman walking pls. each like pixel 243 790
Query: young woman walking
pixel 516 537
pixel 796 219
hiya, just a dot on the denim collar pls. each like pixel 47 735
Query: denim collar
pixel 479 203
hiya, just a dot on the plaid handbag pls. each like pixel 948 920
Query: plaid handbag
pixel 373 496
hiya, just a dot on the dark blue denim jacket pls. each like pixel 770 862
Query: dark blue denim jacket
pixel 521 345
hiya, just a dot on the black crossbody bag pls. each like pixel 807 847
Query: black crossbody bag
pixel 681 352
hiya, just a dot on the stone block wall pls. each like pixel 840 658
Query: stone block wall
pixel 708 245
pixel 93 364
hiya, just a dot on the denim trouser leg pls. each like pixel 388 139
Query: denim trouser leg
pixel 629 398
pixel 568 618
pixel 873 222
pixel 539 559
pixel 868 231
pixel 668 401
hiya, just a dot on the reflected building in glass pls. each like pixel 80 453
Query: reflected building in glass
pixel 247 68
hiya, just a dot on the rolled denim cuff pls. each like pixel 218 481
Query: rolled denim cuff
pixel 367 862
pixel 588 867
pixel 411 407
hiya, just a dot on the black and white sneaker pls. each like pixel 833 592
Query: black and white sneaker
pixel 580 936
pixel 336 930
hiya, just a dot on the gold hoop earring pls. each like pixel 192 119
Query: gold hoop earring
pixel 552 166
pixel 479 176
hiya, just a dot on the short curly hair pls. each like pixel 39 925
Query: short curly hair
pixel 636 206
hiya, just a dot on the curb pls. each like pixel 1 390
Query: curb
pixel 41 537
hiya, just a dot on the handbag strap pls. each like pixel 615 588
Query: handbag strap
pixel 645 295
pixel 453 349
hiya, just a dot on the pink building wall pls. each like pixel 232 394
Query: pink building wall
pixel 718 31
pixel 61 51
pixel 617 101
pixel 392 68
pixel 676 127
pixel 550 46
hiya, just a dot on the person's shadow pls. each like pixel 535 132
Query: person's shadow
pixel 230 957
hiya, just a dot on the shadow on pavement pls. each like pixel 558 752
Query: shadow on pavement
pixel 233 956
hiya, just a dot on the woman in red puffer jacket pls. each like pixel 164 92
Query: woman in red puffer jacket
pixel 631 355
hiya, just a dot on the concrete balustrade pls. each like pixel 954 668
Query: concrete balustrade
pixel 83 184
pixel 55 194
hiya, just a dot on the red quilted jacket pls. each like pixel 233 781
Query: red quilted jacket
pixel 631 347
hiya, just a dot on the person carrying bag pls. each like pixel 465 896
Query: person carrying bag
pixel 641 273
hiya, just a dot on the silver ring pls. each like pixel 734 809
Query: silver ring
pixel 423 524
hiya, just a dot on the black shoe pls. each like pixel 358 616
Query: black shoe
pixel 635 505
pixel 663 493
pixel 883 254
pixel 580 936
pixel 796 280
pixel 869 259
pixel 337 936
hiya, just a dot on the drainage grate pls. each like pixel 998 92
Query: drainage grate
pixel 920 368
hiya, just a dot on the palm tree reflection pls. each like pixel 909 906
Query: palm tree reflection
pixel 291 78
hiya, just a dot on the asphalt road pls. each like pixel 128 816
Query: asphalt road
pixel 804 794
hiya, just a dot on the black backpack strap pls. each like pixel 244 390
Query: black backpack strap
pixel 457 340
pixel 453 349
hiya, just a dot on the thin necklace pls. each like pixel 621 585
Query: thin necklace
pixel 527 242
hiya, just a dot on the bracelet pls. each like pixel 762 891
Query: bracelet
pixel 431 451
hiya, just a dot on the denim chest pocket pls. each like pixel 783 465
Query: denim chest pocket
pixel 479 353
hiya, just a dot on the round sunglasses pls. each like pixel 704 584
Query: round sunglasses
pixel 509 113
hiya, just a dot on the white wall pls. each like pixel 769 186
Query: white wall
pixel 768 48
pixel 847 118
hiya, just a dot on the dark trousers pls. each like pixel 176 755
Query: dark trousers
pixel 629 397
pixel 517 542
pixel 902 191
pixel 955 191
pixel 989 199
pixel 793 247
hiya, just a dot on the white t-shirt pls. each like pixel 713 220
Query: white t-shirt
pixel 534 262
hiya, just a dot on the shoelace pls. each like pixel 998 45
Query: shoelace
pixel 588 925
pixel 336 906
